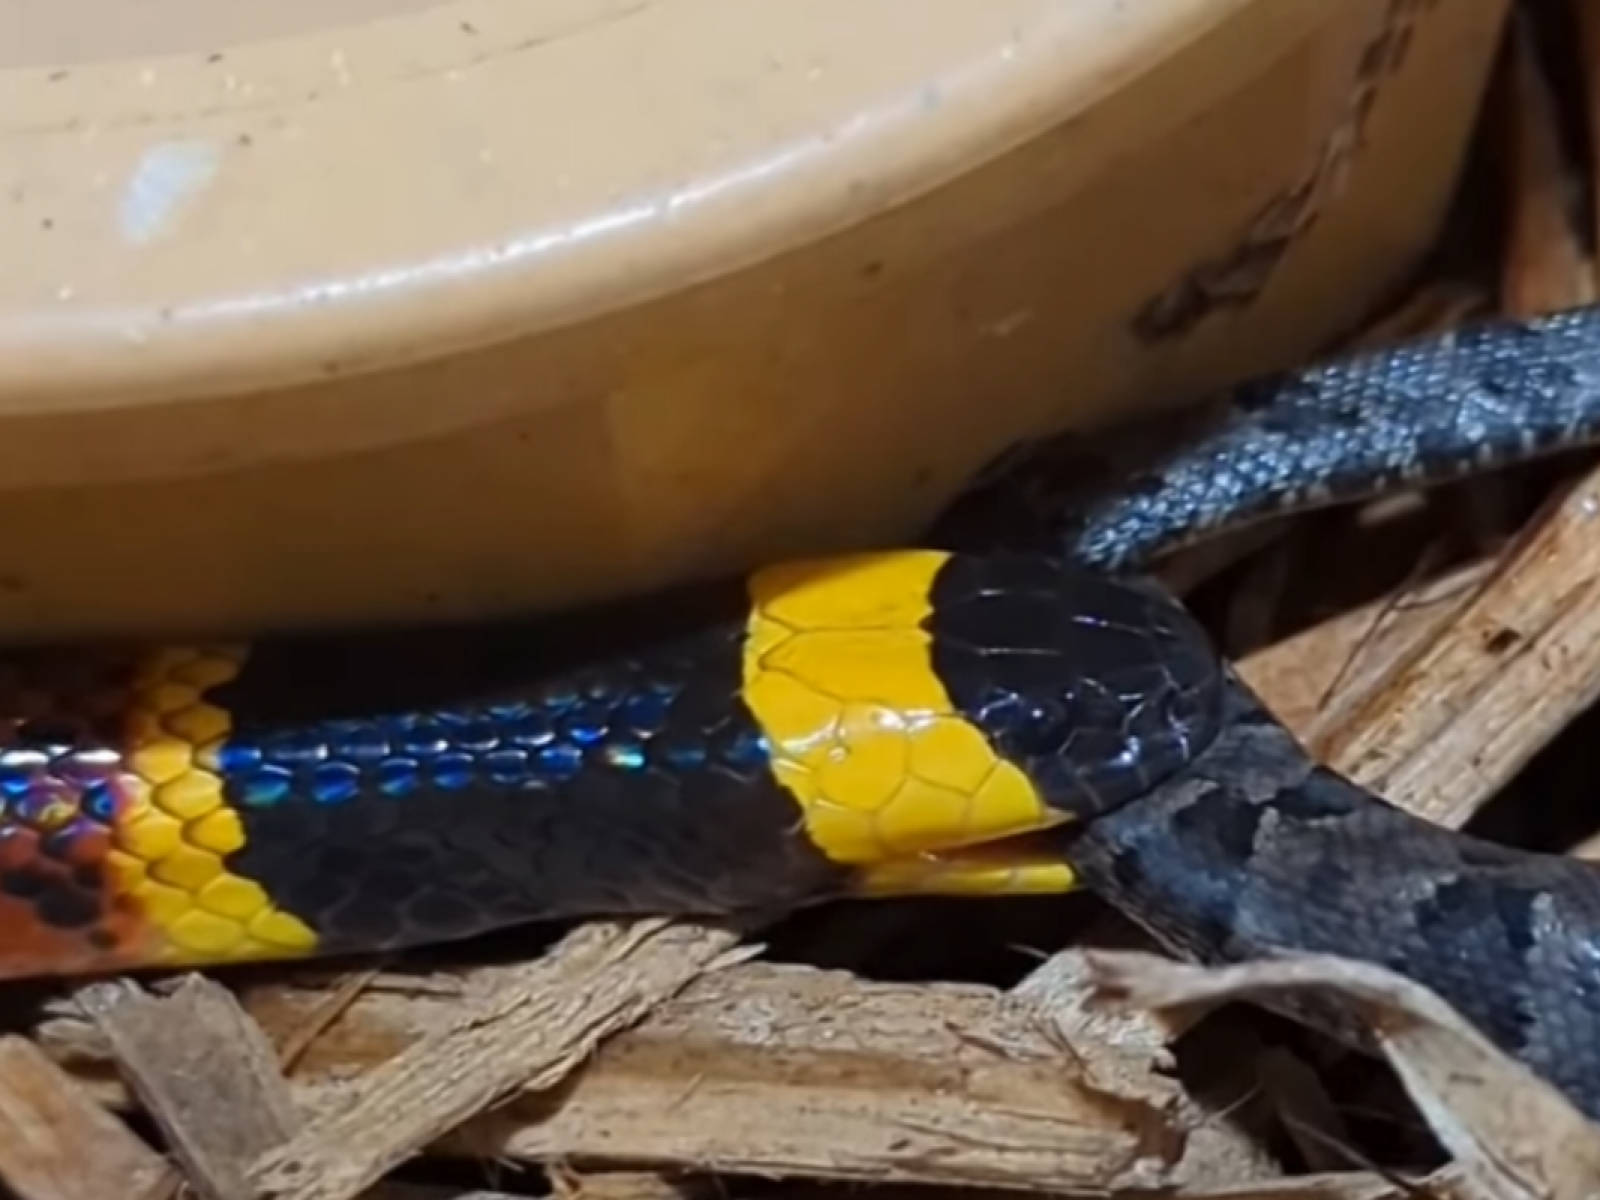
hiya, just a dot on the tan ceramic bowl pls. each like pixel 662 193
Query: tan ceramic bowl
pixel 381 309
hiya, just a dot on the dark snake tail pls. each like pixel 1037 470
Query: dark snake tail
pixel 1409 415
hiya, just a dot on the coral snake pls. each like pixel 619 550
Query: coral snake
pixel 897 722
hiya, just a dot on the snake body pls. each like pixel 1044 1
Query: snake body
pixel 907 721
pixel 1257 851
pixel 1408 415
pixel 815 730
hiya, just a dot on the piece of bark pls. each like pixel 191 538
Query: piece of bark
pixel 293 1043
pixel 1511 1134
pixel 778 1070
pixel 1344 1185
pixel 829 1076
pixel 1126 1053
pixel 796 1072
pixel 1314 680
pixel 57 1142
pixel 204 1072
pixel 530 1031
pixel 1461 713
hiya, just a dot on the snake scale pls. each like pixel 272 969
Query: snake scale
pixel 1008 708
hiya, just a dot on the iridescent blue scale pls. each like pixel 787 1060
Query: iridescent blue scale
pixel 586 725
pixel 444 739
pixel 267 784
pixel 425 740
pixel 294 749
pixel 452 770
pixel 477 735
pixel 507 765
pixel 629 756
pixel 333 782
pixel 746 749
pixel 559 760
pixel 238 759
pixel 100 800
pixel 15 780
pixel 397 776
pixel 681 756
pixel 532 729
pixel 365 744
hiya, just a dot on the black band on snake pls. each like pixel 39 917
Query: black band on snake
pixel 1254 849
pixel 892 723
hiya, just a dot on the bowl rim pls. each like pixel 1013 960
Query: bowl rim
pixel 171 229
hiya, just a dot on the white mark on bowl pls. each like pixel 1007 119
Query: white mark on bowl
pixel 1005 326
pixel 655 206
pixel 167 174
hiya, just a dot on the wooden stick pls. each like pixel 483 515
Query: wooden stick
pixel 1499 671
pixel 761 1069
pixel 529 1032
pixel 58 1143
pixel 203 1071
pixel 1314 680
